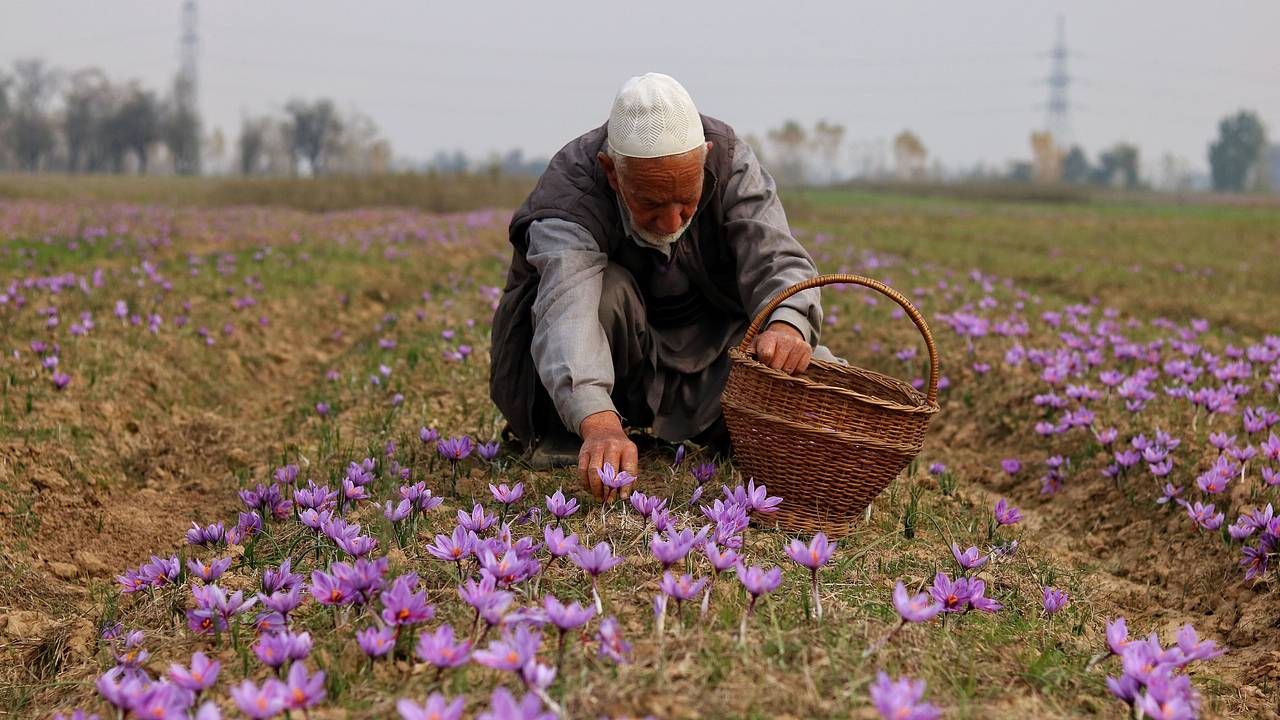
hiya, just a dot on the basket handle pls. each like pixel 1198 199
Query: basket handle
pixel 894 295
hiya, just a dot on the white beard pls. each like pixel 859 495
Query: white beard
pixel 662 241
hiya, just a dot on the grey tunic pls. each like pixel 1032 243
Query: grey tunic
pixel 571 351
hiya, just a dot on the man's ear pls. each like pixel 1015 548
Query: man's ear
pixel 610 171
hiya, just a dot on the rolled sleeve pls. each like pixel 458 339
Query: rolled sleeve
pixel 570 349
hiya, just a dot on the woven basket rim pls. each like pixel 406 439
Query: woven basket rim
pixel 846 436
pixel 924 407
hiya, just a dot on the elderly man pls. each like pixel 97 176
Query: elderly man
pixel 640 257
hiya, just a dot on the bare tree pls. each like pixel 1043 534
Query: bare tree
pixel 252 143
pixel 312 131
pixel 181 129
pixel 31 133
pixel 788 142
pixel 826 141
pixel 86 106
pixel 909 155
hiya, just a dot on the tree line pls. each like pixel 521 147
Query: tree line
pixel 1238 159
pixel 85 122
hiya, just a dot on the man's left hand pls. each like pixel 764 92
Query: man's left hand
pixel 782 347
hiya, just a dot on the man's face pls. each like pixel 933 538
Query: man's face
pixel 660 193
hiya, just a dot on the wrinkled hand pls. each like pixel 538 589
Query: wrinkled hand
pixel 782 347
pixel 604 441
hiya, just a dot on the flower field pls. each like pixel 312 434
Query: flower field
pixel 249 469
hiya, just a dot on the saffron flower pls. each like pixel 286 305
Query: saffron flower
pixel 561 508
pixel 614 479
pixel 758 583
pixel 1006 515
pixel 681 588
pixel 440 649
pixel 376 642
pixel 969 559
pixel 1053 600
pixel 901 699
pixel 595 561
pixel 815 555
pixel 437 707
pixel 401 605
pixel 507 495
pixel 199 676
pixel 302 690
pixel 513 651
pixel 612 644
pixel 914 608
pixel 259 702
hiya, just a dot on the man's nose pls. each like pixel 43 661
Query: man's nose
pixel 669 220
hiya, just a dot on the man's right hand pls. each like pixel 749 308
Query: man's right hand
pixel 604 441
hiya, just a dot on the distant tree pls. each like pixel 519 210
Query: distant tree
pixel 788 143
pixel 31 133
pixel 87 102
pixel 1237 151
pixel 1046 158
pixel 135 126
pixel 1075 166
pixel 181 128
pixel 826 141
pixel 1117 167
pixel 312 131
pixel 252 143
pixel 909 156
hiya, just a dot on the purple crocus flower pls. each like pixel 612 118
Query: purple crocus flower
pixel 1053 600
pixel 559 507
pixel 914 608
pixel 507 495
pixel 703 472
pixel 1006 515
pixel 978 599
pixel 456 449
pixel 211 572
pixel 901 699
pixel 504 706
pixel 259 702
pixel 969 559
pixel 1011 466
pixel 478 520
pixel 953 596
pixel 199 676
pixel 375 641
pixel 595 561
pixel 613 478
pixel 814 555
pixel 612 645
pixel 673 548
pixel 401 605
pixel 428 435
pixel 647 505
pixel 454 547
pixel 437 707
pixel 513 651
pixel 302 690
pixel 488 451
pixel 566 617
pixel 275 649
pixel 758 581
pixel 440 648
pixel 556 543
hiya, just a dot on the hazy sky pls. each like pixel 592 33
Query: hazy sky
pixel 481 76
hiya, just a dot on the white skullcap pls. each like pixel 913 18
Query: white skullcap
pixel 653 116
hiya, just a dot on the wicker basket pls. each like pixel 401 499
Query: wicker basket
pixel 828 440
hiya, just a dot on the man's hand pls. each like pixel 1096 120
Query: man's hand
pixel 782 347
pixel 604 441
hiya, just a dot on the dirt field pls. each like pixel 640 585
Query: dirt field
pixel 237 322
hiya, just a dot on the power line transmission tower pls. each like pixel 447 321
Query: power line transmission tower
pixel 1058 120
pixel 184 128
